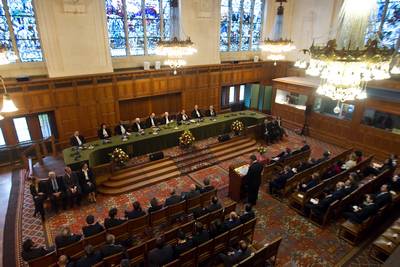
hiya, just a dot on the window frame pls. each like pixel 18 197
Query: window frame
pixel 16 130
pixel 4 138
pixel 263 4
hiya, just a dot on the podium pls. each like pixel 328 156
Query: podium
pixel 236 181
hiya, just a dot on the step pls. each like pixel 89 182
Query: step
pixel 229 143
pixel 233 148
pixel 238 153
pixel 141 166
pixel 135 186
pixel 140 171
pixel 141 177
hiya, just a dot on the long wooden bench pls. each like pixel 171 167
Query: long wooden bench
pixel 265 256
pixel 386 243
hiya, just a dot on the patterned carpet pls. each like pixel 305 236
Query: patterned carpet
pixel 301 244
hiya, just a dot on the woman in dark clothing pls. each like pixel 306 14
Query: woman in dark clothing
pixel 38 192
pixel 88 182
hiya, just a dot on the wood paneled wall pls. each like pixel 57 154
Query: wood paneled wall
pixel 83 102
pixel 337 131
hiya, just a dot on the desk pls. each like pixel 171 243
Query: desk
pixel 138 145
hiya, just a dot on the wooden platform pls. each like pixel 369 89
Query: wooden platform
pixel 151 173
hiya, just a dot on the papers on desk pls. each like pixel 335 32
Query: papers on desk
pixel 242 170
pixel 376 165
pixel 300 195
pixel 314 201
pixel 192 121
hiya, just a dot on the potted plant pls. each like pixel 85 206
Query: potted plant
pixel 237 127
pixel 119 157
pixel 187 139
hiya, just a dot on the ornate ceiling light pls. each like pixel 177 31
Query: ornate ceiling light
pixel 345 71
pixel 278 47
pixel 8 104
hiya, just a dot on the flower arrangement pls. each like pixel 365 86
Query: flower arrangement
pixel 186 139
pixel 119 156
pixel 237 126
pixel 262 149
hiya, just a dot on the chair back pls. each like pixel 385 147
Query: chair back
pixel 150 244
pixel 96 240
pixel 170 236
pixel 188 228
pixel 249 262
pixel 229 208
pixel 138 225
pixel 44 261
pixel 272 249
pixel 221 243
pixel 205 219
pixel 73 250
pixel 193 203
pixel 137 254
pixel 248 229
pixel 159 217
pixel 205 251
pixel 218 214
pixel 188 258
pixel 206 197
pixel 176 210
pixel 99 264
pixel 175 263
pixel 119 231
pixel 113 260
pixel 235 234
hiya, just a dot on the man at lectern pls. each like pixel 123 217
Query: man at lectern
pixel 252 179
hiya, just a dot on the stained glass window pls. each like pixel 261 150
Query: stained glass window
pixel 18 30
pixel 241 22
pixel 135 26
pixel 386 20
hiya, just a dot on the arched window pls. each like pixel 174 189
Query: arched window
pixel 241 24
pixel 135 26
pixel 387 22
pixel 18 30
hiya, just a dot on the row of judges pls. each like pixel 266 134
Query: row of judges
pixel 151 122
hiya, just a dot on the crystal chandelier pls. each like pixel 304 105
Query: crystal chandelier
pixel 175 50
pixel 345 71
pixel 278 47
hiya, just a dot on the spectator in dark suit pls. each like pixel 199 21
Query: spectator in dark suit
pixel 325 156
pixel 207 186
pixel 248 214
pixel 235 256
pixel 216 228
pixel 66 238
pixel 192 193
pixel 360 214
pixel 151 121
pixel 214 205
pixel 303 187
pixel 121 129
pixel 304 165
pixel 280 182
pixel 161 254
pixel 92 227
pixel 252 179
pixel 136 212
pixel 232 221
pixel 183 244
pixel 333 170
pixel 283 155
pixel 322 205
pixel 91 257
pixel 110 248
pixel 112 221
pixel 56 191
pixel 350 184
pixel 172 199
pixel 38 191
pixel 196 113
pixel 73 190
pixel 395 183
pixel 104 132
pixel 201 235
pixel 30 251
pixel 154 205
pixel 77 139
pixel 383 197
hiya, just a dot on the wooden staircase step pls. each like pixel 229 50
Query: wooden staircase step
pixel 138 185
pixel 233 148
pixel 149 168
pixel 236 154
pixel 229 143
pixel 143 165
pixel 141 177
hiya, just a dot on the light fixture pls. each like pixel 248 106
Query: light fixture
pixel 8 104
pixel 345 65
pixel 277 47
pixel 6 56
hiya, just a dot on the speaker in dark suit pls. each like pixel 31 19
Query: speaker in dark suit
pixel 253 179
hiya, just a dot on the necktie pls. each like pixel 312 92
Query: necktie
pixel 123 129
pixel 55 186
pixel 152 122
pixel 166 120
pixel 198 114
pixel 138 126
pixel 79 140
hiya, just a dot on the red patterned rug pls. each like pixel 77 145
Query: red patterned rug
pixel 301 240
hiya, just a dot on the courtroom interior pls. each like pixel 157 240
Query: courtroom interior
pixel 199 133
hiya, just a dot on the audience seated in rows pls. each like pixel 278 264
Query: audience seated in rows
pixel 155 205
pixel 360 213
pixel 303 187
pixel 280 182
pixel 66 238
pixel 136 212
pixel 92 227
pixel 112 221
pixel 183 244
pixel 235 255
pixel 162 254
pixel 232 221
pixel 30 251
pixel 110 248
pixel 200 235
pixel 172 199
pixel 376 169
pixel 90 258
pixel 248 214
pixel 63 261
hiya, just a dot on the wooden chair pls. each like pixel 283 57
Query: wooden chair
pixel 46 260
pixel 229 208
pixel 175 263
pixel 221 243
pixel 73 251
pixel 206 197
pixel 159 217
pixel 188 258
pixel 137 254
pixel 192 204
pixel 248 229
pixel 120 232
pixel 176 210
pixel 235 235
pixel 113 260
pixel 96 240
pixel 270 253
pixel 204 252
pixel 138 225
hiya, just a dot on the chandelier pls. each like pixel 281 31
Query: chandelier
pixel 278 47
pixel 345 71
pixel 175 50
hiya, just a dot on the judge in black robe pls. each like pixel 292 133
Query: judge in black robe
pixel 253 179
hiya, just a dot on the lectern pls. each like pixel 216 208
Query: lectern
pixel 236 181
